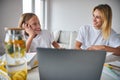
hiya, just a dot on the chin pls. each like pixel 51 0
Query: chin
pixel 37 32
pixel 94 26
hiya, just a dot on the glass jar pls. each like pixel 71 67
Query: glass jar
pixel 15 48
pixel 3 71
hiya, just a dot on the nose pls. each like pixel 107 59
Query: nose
pixel 38 25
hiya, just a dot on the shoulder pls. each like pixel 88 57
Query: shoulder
pixel 113 31
pixel 113 34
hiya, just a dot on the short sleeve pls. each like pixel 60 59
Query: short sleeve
pixel 80 36
pixel 114 40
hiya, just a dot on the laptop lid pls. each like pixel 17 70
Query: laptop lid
pixel 69 64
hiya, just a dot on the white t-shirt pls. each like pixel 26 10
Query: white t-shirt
pixel 43 39
pixel 88 36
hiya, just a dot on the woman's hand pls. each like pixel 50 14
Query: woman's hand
pixel 96 47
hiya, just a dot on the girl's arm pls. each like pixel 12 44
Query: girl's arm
pixel 78 45
pixel 28 43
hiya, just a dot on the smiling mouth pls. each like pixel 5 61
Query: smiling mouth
pixel 38 29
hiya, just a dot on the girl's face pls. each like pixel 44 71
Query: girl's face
pixel 97 20
pixel 34 24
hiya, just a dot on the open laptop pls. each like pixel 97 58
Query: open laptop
pixel 69 64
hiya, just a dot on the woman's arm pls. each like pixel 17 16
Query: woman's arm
pixel 116 51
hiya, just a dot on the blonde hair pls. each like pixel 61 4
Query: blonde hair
pixel 25 17
pixel 106 15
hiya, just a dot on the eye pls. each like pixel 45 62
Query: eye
pixel 97 17
pixel 35 24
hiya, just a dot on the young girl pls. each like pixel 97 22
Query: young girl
pixel 33 33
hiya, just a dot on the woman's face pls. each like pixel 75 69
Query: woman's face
pixel 34 24
pixel 97 20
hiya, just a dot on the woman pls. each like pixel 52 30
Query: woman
pixel 100 36
pixel 35 36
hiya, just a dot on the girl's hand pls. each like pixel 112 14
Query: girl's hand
pixel 28 29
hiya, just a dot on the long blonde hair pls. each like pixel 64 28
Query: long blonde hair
pixel 106 15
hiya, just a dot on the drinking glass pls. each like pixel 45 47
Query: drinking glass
pixel 15 48
pixel 3 71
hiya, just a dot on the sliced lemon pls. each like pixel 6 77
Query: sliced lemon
pixel 20 75
pixel 2 66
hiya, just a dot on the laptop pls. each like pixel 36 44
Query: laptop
pixel 69 64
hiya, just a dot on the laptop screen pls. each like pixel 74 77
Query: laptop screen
pixel 69 64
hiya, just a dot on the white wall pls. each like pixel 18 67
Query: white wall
pixel 61 14
pixel 10 11
pixel 71 14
